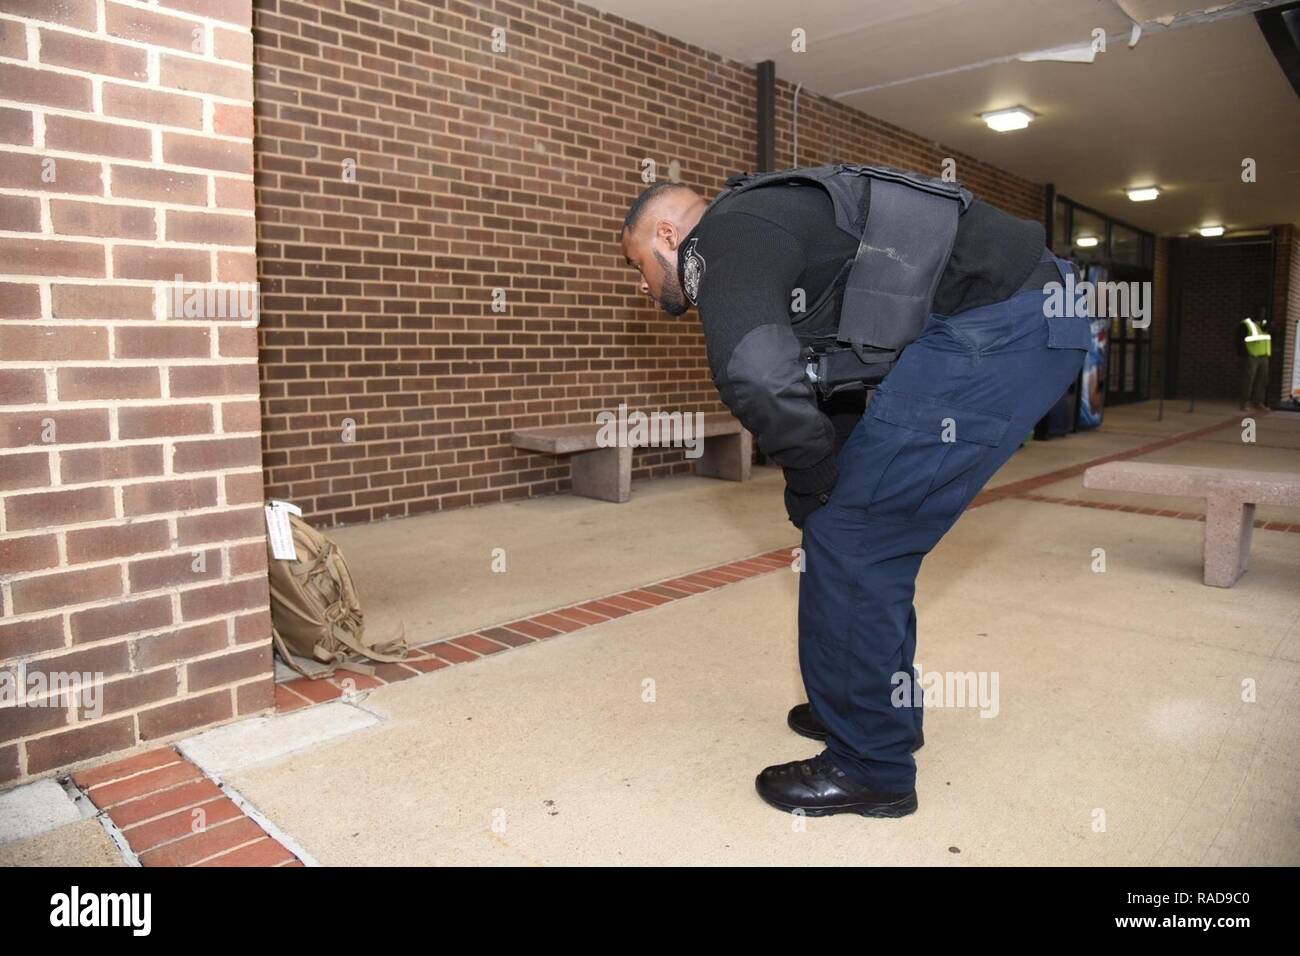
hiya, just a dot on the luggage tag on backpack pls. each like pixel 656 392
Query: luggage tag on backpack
pixel 278 530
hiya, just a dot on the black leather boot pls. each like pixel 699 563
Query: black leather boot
pixel 804 722
pixel 817 788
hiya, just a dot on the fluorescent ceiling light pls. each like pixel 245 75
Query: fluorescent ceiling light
pixel 1144 194
pixel 1086 242
pixel 1076 53
pixel 1002 121
pixel 1209 232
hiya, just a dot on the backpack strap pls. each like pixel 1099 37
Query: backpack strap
pixel 345 619
pixel 390 652
pixel 317 671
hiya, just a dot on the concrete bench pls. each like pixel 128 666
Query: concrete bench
pixel 1230 499
pixel 606 472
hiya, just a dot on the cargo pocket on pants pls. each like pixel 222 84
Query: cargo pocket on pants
pixel 939 447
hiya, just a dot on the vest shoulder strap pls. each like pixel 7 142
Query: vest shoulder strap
pixel 847 183
pixel 848 191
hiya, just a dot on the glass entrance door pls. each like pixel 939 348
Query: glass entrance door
pixel 1129 371
pixel 1110 251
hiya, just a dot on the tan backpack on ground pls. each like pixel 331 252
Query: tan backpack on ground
pixel 316 620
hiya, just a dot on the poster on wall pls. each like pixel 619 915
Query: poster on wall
pixel 1092 383
pixel 1092 389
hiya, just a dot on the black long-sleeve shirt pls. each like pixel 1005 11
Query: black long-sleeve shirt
pixel 749 260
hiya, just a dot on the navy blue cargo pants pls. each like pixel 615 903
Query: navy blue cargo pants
pixel 959 402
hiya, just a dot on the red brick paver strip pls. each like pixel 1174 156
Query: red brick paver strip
pixel 172 814
pixel 1016 488
pixel 301 692
pixel 1156 512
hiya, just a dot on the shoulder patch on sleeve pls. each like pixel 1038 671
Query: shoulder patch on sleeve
pixel 692 271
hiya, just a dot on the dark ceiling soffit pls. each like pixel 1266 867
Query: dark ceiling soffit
pixel 1281 28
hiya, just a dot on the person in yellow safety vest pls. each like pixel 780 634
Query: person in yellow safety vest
pixel 1255 346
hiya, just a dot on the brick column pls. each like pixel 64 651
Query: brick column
pixel 1159 317
pixel 131 540
pixel 1286 313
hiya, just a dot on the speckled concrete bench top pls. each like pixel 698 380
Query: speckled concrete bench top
pixel 566 439
pixel 1257 487
pixel 605 472
pixel 1230 494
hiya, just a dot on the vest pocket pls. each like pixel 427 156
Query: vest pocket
pixel 881 319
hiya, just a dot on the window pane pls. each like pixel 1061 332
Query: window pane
pixel 1126 245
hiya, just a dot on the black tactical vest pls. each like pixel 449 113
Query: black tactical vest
pixel 905 225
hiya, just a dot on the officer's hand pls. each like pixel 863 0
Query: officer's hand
pixel 807 489
pixel 799 507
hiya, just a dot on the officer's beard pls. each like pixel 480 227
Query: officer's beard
pixel 671 298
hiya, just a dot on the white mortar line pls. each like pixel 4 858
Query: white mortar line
pixel 261 819
pixel 118 837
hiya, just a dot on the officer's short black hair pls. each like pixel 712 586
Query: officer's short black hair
pixel 642 202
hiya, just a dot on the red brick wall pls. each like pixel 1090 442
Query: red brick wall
pixel 1221 284
pixel 478 170
pixel 131 543
pixel 830 132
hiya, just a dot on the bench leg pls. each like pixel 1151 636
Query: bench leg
pixel 1228 527
pixel 727 456
pixel 605 473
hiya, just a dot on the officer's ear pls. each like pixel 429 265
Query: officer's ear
pixel 667 232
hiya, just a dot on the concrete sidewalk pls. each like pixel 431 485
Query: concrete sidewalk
pixel 1118 734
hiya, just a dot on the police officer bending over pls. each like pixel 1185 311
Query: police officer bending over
pixel 830 290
